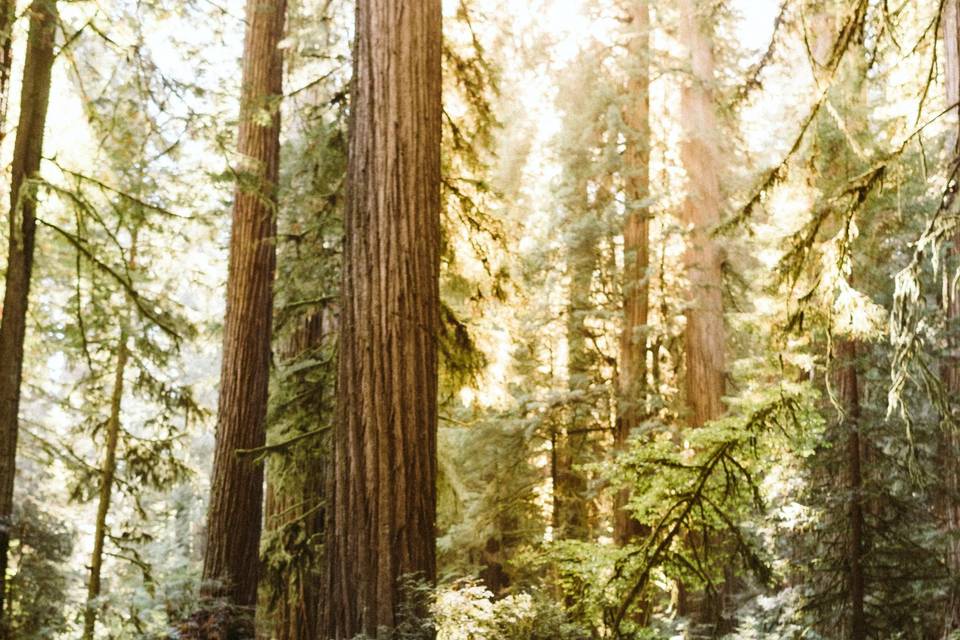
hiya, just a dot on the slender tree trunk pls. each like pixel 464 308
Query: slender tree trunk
pixel 107 470
pixel 636 256
pixel 949 450
pixel 846 374
pixel 382 507
pixel 704 336
pixel 8 15
pixel 295 496
pixel 295 612
pixel 570 514
pixel 231 562
pixel 571 519
pixel 848 391
pixel 27 152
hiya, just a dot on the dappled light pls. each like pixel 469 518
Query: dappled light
pixel 480 319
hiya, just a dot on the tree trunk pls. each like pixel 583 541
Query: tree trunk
pixel 295 611
pixel 846 350
pixel 570 513
pixel 382 507
pixel 949 506
pixel 231 562
pixel 107 470
pixel 27 152
pixel 636 256
pixel 8 15
pixel 700 212
pixel 296 498
pixel 704 335
pixel 849 394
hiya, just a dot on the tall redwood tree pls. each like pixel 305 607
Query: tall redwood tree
pixel 34 96
pixel 636 254
pixel 949 506
pixel 231 561
pixel 704 337
pixel 700 211
pixel 382 499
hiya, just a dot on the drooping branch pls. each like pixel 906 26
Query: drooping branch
pixel 753 81
pixel 847 35
pixel 694 506
pixel 142 304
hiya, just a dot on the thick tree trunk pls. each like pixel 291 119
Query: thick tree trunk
pixel 636 256
pixel 382 507
pixel 949 450
pixel 27 152
pixel 848 391
pixel 231 562
pixel 107 471
pixel 704 336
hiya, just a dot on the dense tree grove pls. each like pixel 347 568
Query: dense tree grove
pixel 480 319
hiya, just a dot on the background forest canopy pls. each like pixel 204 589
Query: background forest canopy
pixel 480 319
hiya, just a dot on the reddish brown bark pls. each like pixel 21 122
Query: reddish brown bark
pixel 295 613
pixel 848 392
pixel 8 14
pixel 949 506
pixel 231 561
pixel 295 494
pixel 27 152
pixel 704 336
pixel 382 507
pixel 705 333
pixel 636 256
pixel 846 374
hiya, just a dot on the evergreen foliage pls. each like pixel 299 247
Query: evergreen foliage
pixel 824 501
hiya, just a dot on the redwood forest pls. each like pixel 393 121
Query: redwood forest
pixel 480 319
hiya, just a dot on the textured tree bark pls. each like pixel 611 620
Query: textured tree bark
pixel 107 471
pixel 231 562
pixel 296 610
pixel 27 152
pixel 636 257
pixel 295 614
pixel 382 499
pixel 8 15
pixel 848 391
pixel 949 446
pixel 704 336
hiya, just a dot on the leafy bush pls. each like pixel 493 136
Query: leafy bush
pixel 40 547
pixel 468 611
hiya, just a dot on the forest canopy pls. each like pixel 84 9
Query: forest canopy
pixel 480 319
